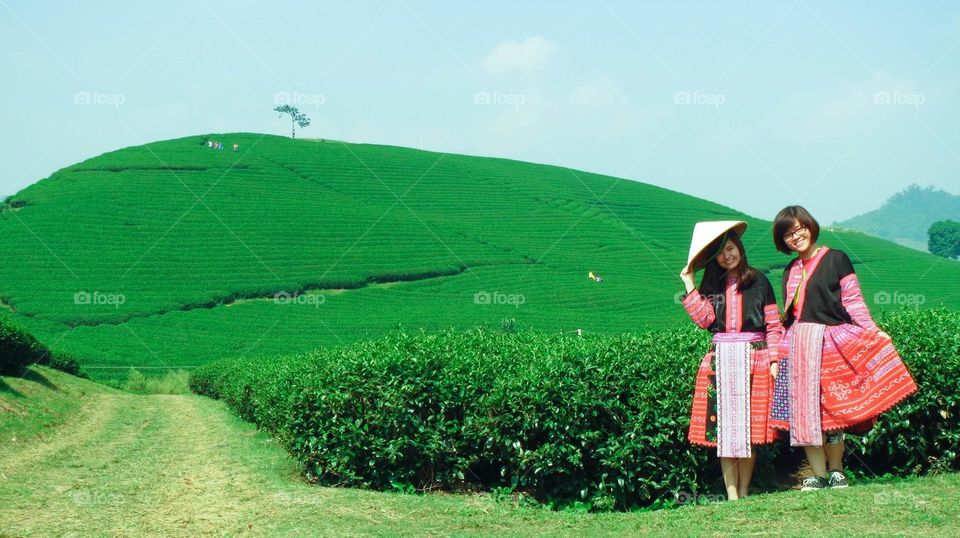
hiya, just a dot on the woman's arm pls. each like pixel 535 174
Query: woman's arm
pixel 700 309
pixel 771 317
pixel 697 306
pixel 852 299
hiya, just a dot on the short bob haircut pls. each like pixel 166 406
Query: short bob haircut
pixel 784 222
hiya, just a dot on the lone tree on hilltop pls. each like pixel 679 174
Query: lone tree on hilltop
pixel 944 238
pixel 296 118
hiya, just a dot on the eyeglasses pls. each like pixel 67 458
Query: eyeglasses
pixel 796 234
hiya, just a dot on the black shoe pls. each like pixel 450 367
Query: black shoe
pixel 838 480
pixel 815 482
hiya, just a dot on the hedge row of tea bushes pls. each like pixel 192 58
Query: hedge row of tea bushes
pixel 557 416
pixel 598 420
pixel 19 349
pixel 923 433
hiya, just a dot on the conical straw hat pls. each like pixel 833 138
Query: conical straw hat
pixel 705 243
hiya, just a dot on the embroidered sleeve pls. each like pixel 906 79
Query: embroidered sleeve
pixel 852 299
pixel 700 309
pixel 771 317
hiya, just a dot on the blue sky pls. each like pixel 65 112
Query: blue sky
pixel 755 105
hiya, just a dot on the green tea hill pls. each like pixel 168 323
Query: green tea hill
pixel 172 254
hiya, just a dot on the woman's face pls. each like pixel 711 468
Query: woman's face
pixel 729 257
pixel 797 237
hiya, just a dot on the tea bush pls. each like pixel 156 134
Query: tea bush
pixel 923 432
pixel 596 420
pixel 19 349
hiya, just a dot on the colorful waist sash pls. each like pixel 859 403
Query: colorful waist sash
pixel 732 338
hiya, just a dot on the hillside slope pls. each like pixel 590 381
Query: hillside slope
pixel 172 253
pixel 906 216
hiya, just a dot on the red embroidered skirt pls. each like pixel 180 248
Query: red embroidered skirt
pixel 861 377
pixel 703 417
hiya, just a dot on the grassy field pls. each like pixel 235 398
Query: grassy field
pixel 90 461
pixel 172 254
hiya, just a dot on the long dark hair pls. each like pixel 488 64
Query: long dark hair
pixel 714 276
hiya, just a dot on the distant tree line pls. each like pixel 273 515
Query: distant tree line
pixel 944 238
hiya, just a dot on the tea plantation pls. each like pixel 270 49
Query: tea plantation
pixel 173 254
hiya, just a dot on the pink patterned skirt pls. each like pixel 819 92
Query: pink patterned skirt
pixel 841 381
pixel 732 396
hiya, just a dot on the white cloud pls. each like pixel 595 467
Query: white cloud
pixel 512 56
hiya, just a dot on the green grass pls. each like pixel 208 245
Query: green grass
pixel 118 464
pixel 39 401
pixel 182 249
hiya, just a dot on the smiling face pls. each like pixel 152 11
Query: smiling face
pixel 797 237
pixel 729 257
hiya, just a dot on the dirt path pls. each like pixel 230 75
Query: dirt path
pixel 87 424
pixel 132 465
pixel 163 465
pixel 128 465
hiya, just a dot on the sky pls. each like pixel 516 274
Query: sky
pixel 754 105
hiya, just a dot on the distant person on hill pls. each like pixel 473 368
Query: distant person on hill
pixel 838 371
pixel 236 147
pixel 734 384
pixel 209 143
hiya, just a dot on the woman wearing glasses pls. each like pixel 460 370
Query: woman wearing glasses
pixel 733 391
pixel 838 372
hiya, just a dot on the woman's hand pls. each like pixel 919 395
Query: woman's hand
pixel 687 277
pixel 773 369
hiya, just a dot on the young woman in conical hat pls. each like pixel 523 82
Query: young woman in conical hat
pixel 838 371
pixel 734 385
